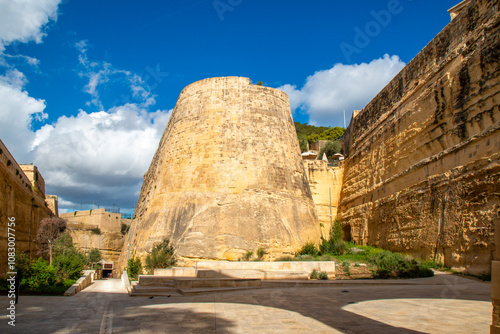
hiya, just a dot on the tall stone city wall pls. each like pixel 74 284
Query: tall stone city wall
pixel 227 176
pixel 325 183
pixel 20 200
pixel 423 172
pixel 434 189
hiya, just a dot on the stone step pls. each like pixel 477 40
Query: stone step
pixel 147 280
pixel 157 294
pixel 200 291
pixel 152 289
pixel 188 283
pixel 253 273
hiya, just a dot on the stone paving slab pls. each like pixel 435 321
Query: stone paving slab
pixel 451 305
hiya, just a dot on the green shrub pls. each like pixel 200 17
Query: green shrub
pixel 314 274
pixel 39 276
pixel 305 257
pixel 248 255
pixel 96 230
pixel 347 267
pixel 284 258
pixel 309 248
pixel 161 256
pixel 332 246
pixel 395 265
pixel 134 267
pixel 124 229
pixel 323 275
pixel 260 253
pixel 335 245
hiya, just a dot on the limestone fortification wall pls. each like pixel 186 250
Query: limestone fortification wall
pixel 227 176
pixel 110 241
pixel 324 181
pixel 423 172
pixel 20 200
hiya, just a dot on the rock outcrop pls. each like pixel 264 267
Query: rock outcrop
pixel 423 172
pixel 227 176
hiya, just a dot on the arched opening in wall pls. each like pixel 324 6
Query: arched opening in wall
pixel 347 232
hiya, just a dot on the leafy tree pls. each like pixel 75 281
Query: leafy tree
pixel 304 130
pixel 67 259
pixel 303 145
pixel 330 149
pixel 94 256
pixel 312 138
pixel 332 133
pixel 134 267
pixel 161 256
pixel 260 83
pixel 50 229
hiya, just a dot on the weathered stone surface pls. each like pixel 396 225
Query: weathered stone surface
pixel 227 176
pixel 21 201
pixel 423 172
pixel 495 283
pixel 324 182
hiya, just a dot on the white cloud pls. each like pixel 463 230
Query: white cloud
pixel 99 156
pixel 24 20
pixel 18 111
pixel 343 87
pixel 102 75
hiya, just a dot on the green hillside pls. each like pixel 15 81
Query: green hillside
pixel 313 133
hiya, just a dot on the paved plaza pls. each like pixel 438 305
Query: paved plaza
pixel 442 304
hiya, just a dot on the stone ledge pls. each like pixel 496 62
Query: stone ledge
pixel 81 284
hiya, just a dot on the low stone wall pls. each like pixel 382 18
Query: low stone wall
pixel 176 271
pixel 293 266
pixel 81 284
pixel 126 282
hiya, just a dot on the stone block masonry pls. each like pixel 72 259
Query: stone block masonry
pixel 423 171
pixel 227 176
pixel 22 197
pixel 325 181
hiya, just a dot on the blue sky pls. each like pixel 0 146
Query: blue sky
pixel 87 87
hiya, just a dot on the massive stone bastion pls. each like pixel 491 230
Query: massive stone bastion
pixel 227 176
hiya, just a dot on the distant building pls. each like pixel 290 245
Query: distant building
pixel 309 156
